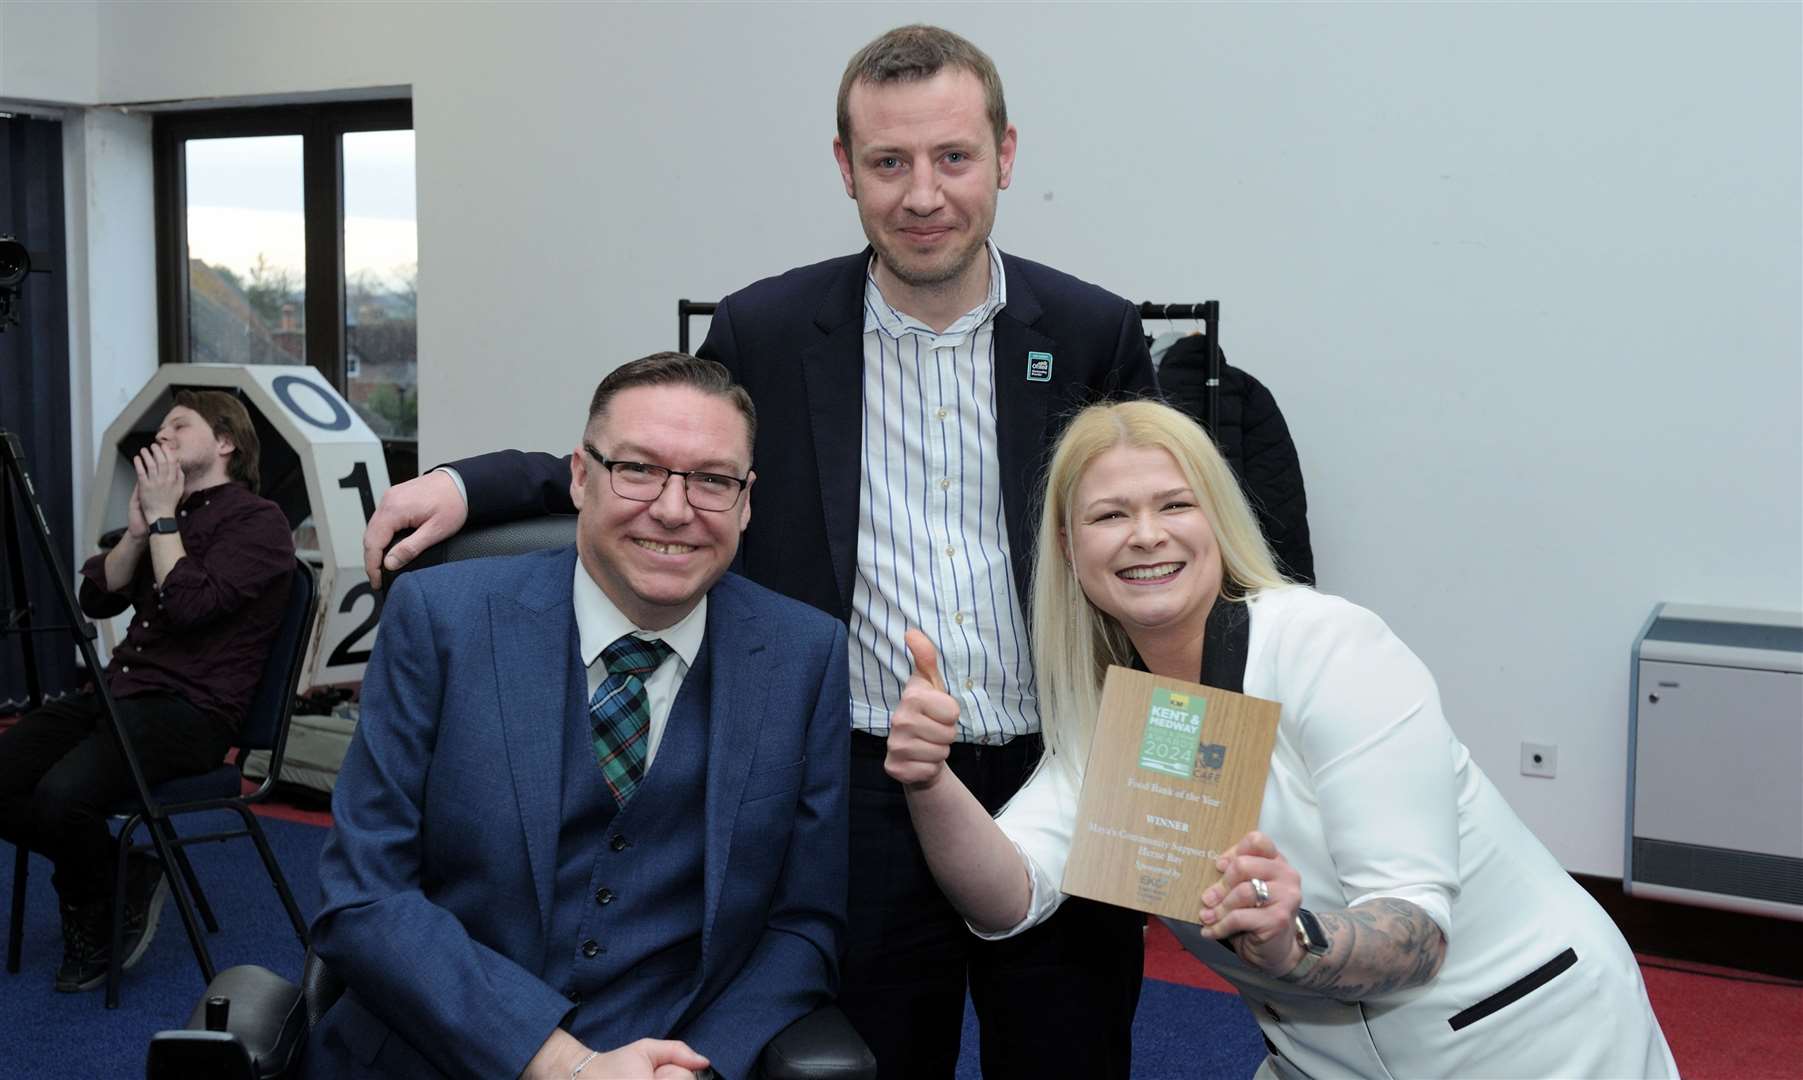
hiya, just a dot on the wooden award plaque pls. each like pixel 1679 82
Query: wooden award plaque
pixel 1176 775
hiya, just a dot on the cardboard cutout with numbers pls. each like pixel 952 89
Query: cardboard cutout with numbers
pixel 320 462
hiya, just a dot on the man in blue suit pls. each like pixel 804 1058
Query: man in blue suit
pixel 597 794
pixel 910 394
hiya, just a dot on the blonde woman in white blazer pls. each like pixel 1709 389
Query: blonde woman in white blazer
pixel 1391 916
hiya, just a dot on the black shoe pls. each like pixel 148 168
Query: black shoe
pixel 145 891
pixel 87 931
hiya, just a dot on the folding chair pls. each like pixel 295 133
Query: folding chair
pixel 265 727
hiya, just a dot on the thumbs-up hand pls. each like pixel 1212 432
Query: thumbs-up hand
pixel 925 724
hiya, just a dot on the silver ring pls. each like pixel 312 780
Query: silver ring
pixel 1261 891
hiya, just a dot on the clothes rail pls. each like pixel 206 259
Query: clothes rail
pixel 686 310
pixel 1208 313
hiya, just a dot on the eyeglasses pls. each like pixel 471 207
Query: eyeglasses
pixel 640 482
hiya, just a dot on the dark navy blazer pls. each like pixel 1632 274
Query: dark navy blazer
pixel 437 880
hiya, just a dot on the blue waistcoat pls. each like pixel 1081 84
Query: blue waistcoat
pixel 625 942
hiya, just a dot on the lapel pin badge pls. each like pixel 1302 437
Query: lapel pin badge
pixel 1039 367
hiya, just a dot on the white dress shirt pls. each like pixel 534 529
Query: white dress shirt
pixel 932 534
pixel 599 624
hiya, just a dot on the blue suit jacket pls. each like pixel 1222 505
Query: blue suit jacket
pixel 437 879
pixel 796 343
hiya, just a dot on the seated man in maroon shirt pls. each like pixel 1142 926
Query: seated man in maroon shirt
pixel 205 565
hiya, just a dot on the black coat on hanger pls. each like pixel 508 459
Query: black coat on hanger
pixel 1256 442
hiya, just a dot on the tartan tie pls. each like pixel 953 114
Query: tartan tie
pixel 621 714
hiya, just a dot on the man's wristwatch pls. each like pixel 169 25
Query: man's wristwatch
pixel 1313 939
pixel 165 525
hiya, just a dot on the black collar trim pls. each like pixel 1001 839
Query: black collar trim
pixel 1225 642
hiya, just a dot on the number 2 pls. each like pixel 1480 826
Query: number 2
pixel 344 654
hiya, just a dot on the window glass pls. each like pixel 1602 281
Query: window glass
pixel 247 252
pixel 381 267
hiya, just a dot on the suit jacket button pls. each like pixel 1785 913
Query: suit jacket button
pixel 604 896
pixel 618 843
pixel 591 948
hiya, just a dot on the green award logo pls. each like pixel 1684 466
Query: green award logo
pixel 1173 728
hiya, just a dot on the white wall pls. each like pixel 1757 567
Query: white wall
pixel 1525 278
pixel 49 50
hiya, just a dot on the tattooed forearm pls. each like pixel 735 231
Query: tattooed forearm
pixel 1377 948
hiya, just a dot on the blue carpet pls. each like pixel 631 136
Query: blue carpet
pixel 52 1036
pixel 1179 1033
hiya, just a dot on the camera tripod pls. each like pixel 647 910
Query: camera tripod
pixel 20 510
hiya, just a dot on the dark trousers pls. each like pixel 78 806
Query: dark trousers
pixel 61 768
pixel 1055 1001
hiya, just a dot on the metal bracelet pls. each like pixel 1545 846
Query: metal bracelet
pixel 583 1064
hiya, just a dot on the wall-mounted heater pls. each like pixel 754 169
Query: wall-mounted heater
pixel 1715 760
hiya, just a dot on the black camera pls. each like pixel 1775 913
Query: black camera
pixel 15 263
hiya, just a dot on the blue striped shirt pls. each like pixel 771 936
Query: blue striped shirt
pixel 932 535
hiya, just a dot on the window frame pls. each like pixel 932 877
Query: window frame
pixel 322 181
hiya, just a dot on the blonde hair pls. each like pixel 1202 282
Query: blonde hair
pixel 1073 641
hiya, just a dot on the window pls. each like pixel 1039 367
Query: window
pixel 287 235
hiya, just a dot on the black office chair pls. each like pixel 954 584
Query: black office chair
pixel 265 727
pixel 252 1024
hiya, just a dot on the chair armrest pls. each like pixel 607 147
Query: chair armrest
pixel 266 1028
pixel 185 1055
pixel 820 1046
pixel 320 988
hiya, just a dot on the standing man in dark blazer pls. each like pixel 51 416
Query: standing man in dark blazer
pixel 908 395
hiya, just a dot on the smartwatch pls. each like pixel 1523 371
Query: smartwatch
pixel 165 525
pixel 1313 939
